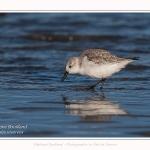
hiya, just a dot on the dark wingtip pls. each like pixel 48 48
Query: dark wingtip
pixel 134 58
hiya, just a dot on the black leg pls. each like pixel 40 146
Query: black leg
pixel 103 81
pixel 93 86
pixel 102 94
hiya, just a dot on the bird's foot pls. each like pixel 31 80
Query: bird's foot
pixel 92 87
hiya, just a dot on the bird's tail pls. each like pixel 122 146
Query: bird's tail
pixel 134 58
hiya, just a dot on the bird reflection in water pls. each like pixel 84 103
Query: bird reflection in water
pixel 96 108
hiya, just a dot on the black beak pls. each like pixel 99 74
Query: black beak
pixel 65 75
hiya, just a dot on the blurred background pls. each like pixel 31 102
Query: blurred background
pixel 34 48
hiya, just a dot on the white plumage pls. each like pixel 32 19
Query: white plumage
pixel 96 63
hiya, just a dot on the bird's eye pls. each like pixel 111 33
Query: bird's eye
pixel 69 66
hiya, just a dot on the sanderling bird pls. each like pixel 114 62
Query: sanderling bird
pixel 96 63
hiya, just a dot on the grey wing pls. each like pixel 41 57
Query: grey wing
pixel 100 56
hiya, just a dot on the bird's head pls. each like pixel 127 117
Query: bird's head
pixel 72 67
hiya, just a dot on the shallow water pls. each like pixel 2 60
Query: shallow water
pixel 34 102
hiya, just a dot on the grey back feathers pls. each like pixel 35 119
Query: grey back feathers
pixel 99 56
